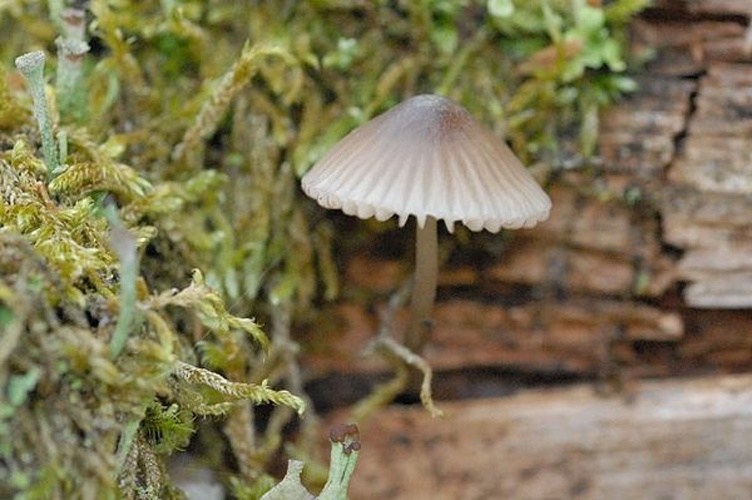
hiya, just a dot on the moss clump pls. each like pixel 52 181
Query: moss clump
pixel 67 402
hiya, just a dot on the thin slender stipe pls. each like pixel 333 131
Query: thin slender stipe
pixel 424 287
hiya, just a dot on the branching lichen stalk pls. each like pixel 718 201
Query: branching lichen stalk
pixel 69 84
pixel 73 23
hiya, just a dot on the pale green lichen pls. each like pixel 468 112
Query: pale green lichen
pixel 31 65
pixel 69 84
pixel 345 448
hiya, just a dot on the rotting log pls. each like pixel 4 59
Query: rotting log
pixel 707 46
pixel 712 178
pixel 570 337
pixel 688 439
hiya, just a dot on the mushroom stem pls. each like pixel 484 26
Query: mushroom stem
pixel 424 287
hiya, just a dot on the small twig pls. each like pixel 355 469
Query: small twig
pixel 404 354
pixel 400 357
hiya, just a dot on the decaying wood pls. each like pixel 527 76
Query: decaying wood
pixel 686 439
pixel 708 45
pixel 639 135
pixel 580 337
pixel 704 51
pixel 706 7
pixel 714 171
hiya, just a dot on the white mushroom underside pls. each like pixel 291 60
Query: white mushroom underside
pixel 430 158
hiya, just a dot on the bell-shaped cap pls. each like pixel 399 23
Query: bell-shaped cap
pixel 426 157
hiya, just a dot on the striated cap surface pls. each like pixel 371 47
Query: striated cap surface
pixel 425 157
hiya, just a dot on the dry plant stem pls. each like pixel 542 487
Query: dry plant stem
pixel 406 357
pixel 124 244
pixel 400 357
pixel 424 287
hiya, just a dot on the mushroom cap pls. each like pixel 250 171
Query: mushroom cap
pixel 426 157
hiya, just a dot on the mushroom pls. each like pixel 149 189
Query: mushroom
pixel 429 158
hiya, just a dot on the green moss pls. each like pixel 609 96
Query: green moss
pixel 12 114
